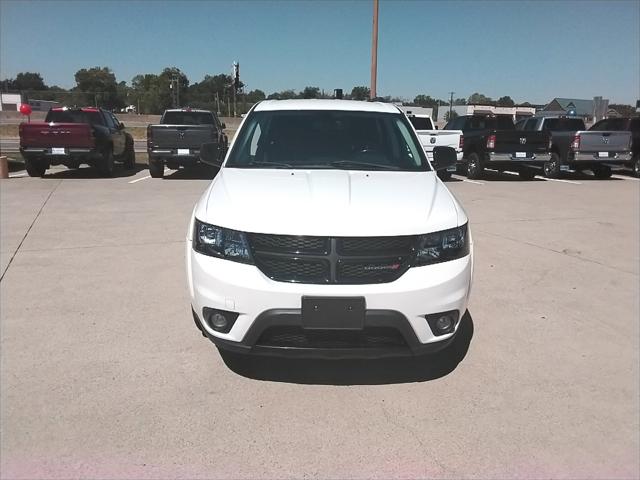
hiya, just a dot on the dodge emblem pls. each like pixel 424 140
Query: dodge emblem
pixel 432 139
pixel 523 140
pixel 605 140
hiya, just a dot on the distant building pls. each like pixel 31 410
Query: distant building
pixel 409 110
pixel 517 113
pixel 42 105
pixel 10 102
pixel 589 110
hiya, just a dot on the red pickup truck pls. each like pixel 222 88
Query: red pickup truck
pixel 73 136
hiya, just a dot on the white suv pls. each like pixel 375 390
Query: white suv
pixel 327 233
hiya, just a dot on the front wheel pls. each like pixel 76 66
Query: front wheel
pixel 601 171
pixel 107 165
pixel 444 175
pixel 551 168
pixel 130 157
pixel 475 167
pixel 156 168
pixel 35 167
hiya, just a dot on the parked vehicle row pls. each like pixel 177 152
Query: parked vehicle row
pixel 75 136
pixel 547 145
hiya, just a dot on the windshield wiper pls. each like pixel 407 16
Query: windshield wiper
pixel 258 163
pixel 361 165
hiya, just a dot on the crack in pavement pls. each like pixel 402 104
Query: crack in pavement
pixel 29 229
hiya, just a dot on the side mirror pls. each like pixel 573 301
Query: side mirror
pixel 121 126
pixel 443 158
pixel 211 153
pixel 436 127
pixel 224 125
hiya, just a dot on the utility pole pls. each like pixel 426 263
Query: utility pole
pixel 374 52
pixel 218 103
pixel 451 103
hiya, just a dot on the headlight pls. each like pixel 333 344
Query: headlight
pixel 442 246
pixel 221 242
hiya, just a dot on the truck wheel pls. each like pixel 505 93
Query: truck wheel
pixel 601 171
pixel 551 168
pixel 636 165
pixel 527 174
pixel 156 168
pixel 35 167
pixel 107 164
pixel 130 157
pixel 475 168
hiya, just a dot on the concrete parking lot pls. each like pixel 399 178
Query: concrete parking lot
pixel 104 375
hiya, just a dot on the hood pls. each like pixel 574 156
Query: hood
pixel 329 202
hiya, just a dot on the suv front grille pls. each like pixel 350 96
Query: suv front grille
pixel 339 260
pixel 297 337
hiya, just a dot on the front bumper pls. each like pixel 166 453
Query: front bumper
pixel 591 157
pixel 513 157
pixel 262 303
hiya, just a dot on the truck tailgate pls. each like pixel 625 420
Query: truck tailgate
pixel 181 136
pixel 42 135
pixel 594 141
pixel 510 141
pixel 439 138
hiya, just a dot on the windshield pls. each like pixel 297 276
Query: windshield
pixel 74 116
pixel 563 124
pixel 327 139
pixel 187 118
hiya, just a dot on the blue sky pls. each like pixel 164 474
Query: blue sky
pixel 532 51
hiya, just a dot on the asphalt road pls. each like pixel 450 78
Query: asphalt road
pixel 103 374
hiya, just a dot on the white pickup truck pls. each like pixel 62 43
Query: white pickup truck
pixel 431 137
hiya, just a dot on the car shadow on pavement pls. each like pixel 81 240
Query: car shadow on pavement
pixel 86 172
pixel 355 371
pixel 198 172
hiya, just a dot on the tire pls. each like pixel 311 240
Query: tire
pixel 601 171
pixel 130 157
pixel 73 165
pixel 35 167
pixel 527 174
pixel 551 169
pixel 156 168
pixel 636 165
pixel 444 175
pixel 107 164
pixel 475 166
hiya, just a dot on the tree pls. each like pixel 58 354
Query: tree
pixel 311 92
pixel 166 88
pixel 29 81
pixel 425 101
pixel 360 93
pixel 100 85
pixel 284 95
pixel 450 115
pixel 623 110
pixel 255 96
pixel 506 101
pixel 479 99
pixel 460 101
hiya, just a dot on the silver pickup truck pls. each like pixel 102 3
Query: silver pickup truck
pixel 573 147
pixel 430 137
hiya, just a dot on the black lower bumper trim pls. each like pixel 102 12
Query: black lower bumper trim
pixel 375 322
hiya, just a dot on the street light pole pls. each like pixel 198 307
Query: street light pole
pixel 451 104
pixel 374 53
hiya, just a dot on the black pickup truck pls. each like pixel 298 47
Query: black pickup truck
pixel 625 124
pixel 573 147
pixel 492 141
pixel 177 139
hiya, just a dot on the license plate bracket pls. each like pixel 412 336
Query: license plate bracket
pixel 333 313
pixel 183 151
pixel 58 151
pixel 603 154
pixel 521 154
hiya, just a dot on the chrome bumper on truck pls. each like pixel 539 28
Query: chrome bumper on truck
pixel 519 157
pixel 59 152
pixel 601 157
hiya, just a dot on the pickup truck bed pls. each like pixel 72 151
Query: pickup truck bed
pixel 430 137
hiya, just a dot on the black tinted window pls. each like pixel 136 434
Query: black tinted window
pixel 329 140
pixel 421 123
pixel 74 116
pixel 188 118
pixel 617 124
pixel 563 124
